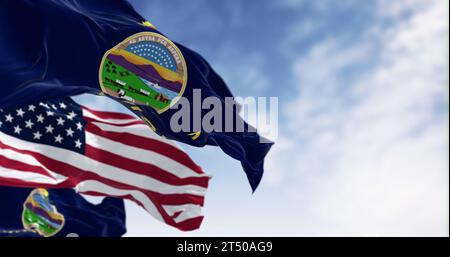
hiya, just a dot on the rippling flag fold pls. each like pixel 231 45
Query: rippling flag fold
pixel 60 144
pixel 82 218
pixel 59 48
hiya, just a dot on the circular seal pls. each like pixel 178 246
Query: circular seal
pixel 39 215
pixel 146 68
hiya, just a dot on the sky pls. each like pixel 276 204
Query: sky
pixel 363 90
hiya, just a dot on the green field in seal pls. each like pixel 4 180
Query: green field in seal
pixel 111 73
pixel 30 217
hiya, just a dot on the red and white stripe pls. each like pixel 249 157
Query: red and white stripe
pixel 123 158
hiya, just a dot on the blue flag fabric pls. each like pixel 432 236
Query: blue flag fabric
pixel 58 48
pixel 81 217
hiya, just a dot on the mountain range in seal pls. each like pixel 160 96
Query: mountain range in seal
pixel 145 71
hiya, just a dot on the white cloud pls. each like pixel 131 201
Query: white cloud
pixel 101 103
pixel 318 5
pixel 242 69
pixel 366 147
pixel 366 151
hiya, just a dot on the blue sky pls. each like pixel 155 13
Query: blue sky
pixel 363 114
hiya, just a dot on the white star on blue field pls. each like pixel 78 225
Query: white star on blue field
pixel 56 125
pixel 154 52
pixel 363 127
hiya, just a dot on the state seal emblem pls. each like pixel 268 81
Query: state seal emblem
pixel 39 215
pixel 147 69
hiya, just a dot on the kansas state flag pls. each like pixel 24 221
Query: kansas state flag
pixel 57 48
pixel 58 212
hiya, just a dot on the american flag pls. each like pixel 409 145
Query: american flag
pixel 60 144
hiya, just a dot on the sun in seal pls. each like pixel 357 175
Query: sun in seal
pixel 147 69
pixel 39 215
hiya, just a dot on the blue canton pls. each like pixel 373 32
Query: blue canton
pixel 57 123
